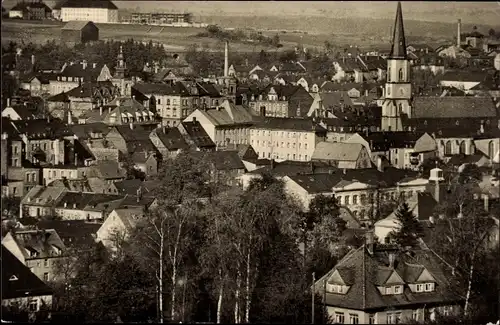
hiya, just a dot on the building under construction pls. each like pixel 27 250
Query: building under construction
pixel 161 18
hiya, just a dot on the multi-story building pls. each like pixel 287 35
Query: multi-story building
pixel 281 101
pixel 286 138
pixel 148 18
pixel 227 124
pixel 73 75
pixel 32 10
pixel 97 11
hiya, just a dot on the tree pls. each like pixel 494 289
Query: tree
pixel 470 174
pixel 431 163
pixel 288 56
pixel 492 32
pixel 276 40
pixel 410 228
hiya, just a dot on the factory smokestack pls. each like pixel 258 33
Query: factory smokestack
pixel 459 32
pixel 226 59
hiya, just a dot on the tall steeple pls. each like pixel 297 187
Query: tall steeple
pixel 398 49
pixel 121 67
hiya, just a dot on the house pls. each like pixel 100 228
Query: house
pixel 90 95
pixel 107 170
pixel 36 10
pixel 98 11
pixel 404 150
pixel 462 79
pixel 21 288
pixel 196 136
pixel 39 201
pixel 86 206
pixel 74 74
pixel 20 112
pixel 342 155
pixel 329 102
pixel 56 10
pixel 489 146
pixel 226 165
pixel 286 138
pixel 227 124
pixel 168 141
pixel 78 235
pixel 145 162
pixel 281 101
pixel 130 138
pixel 373 285
pixel 126 111
pixel 39 250
pixel 120 222
pixel 76 32
pixel 37 84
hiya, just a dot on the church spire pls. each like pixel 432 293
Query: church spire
pixel 398 48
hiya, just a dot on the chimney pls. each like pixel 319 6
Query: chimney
pixel 5 136
pixel 109 109
pixel 272 164
pixel 380 164
pixel 486 199
pixel 459 31
pixel 481 130
pixel 84 64
pixel 344 171
pixel 131 124
pixel 194 118
pixel 226 59
pixel 70 118
pixel 33 61
pixel 76 159
pixel 139 194
pixel 369 241
pixel 311 166
pixel 8 102
pixel 100 110
pixel 392 258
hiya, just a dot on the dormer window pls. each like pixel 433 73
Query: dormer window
pixel 424 287
pixel 13 278
pixel 337 288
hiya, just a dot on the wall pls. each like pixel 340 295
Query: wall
pixel 117 140
pixel 89 33
pixel 40 266
pixel 24 301
pixel 111 226
pixel 455 147
pixel 52 174
pixel 235 134
pixel 75 214
pixel 287 144
pixel 57 86
pixel 96 15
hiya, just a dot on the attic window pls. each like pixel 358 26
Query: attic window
pixel 13 278
pixel 337 288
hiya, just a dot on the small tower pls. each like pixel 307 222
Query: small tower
pixel 435 183
pixel 121 67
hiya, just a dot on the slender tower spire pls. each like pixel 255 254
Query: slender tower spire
pixel 398 49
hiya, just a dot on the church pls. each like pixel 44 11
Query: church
pixel 401 111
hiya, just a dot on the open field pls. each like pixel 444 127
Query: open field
pixel 173 38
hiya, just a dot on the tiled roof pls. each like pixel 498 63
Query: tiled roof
pixel 107 170
pixel 287 168
pixel 88 73
pixel 337 151
pixel 335 99
pixel 129 216
pixel 40 195
pixel 453 107
pixel 162 89
pixel 76 25
pixel 171 138
pixel 84 131
pixel 464 76
pixel 101 4
pixel 293 124
pixel 228 114
pixel 43 243
pixel 197 134
pixel 88 89
pixel 74 233
pixel 17 279
pixel 383 141
pixel 225 160
pixel 61 97
pixel 42 129
pixel 369 270
pixel 128 186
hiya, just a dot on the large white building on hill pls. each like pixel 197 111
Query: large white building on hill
pixel 97 11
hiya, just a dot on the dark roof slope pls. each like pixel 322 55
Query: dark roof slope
pixel 73 233
pixel 453 107
pixel 17 279
pixel 294 124
pixel 101 4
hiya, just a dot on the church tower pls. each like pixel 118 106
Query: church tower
pixel 397 87
pixel 121 67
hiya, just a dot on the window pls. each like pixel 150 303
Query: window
pixel 388 290
pixel 159 101
pixel 420 287
pixel 293 156
pixel 429 287
pixel 300 156
pixel 46 276
pixel 397 290
pixel 401 75
pixel 305 145
pixel 282 144
pixel 346 200
pixel 371 319
pixel 46 263
pixel 354 199
pixel 300 145
pixel 168 101
pixel 33 305
pixel 339 318
pixel 305 157
pixel 394 318
pixel 414 315
pixel 353 319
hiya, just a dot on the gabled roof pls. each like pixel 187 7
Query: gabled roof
pixel 76 25
pixel 101 4
pixel 197 134
pixel 370 270
pixel 61 97
pixel 228 114
pixel 337 151
pixel 17 279
pixel 107 169
pixel 335 99
pixel 41 195
pixel 43 243
pixel 129 216
pixel 73 233
pixel 171 138
pixel 225 160
pixel 464 75
pixel 42 129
